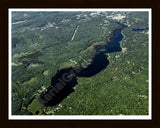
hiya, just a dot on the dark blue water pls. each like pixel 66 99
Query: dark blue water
pixel 100 60
pixel 118 23
pixel 138 30
pixel 63 88
pixel 99 63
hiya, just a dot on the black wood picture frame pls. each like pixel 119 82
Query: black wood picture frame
pixel 6 4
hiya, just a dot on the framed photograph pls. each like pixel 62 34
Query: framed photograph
pixel 80 64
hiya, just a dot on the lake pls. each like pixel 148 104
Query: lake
pixel 64 81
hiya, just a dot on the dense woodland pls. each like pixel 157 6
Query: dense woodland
pixel 42 44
